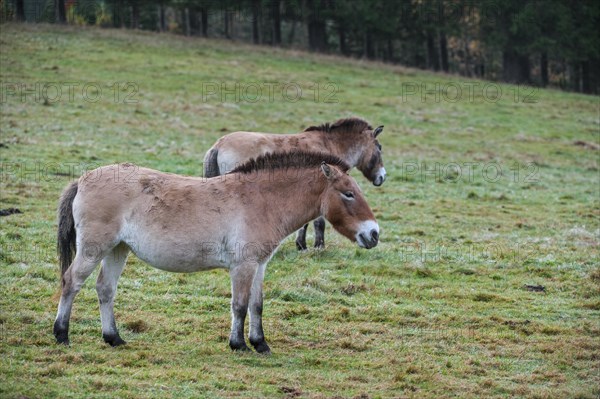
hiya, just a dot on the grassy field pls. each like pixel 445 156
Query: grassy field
pixel 491 188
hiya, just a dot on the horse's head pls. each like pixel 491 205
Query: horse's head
pixel 345 207
pixel 370 162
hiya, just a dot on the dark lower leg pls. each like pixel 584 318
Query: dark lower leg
pixel 72 280
pixel 113 338
pixel 236 338
pixel 106 287
pixel 301 238
pixel 257 336
pixel 319 232
pixel 110 333
pixel 61 324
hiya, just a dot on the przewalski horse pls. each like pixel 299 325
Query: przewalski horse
pixel 353 140
pixel 187 224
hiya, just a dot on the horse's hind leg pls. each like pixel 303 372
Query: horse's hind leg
pixel 106 287
pixel 257 336
pixel 301 238
pixel 319 232
pixel 82 266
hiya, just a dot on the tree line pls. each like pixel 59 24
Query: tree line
pixel 536 42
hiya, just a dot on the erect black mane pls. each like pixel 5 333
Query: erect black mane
pixel 347 125
pixel 292 159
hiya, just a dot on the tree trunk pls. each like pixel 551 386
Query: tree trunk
pixel 443 42
pixel 204 21
pixel 20 10
pixel 515 67
pixel 594 75
pixel 292 33
pixel 575 76
pixel 544 69
pixel 467 58
pixel 186 17
pixel 317 36
pixel 432 57
pixel 117 14
pixel 226 26
pixel 586 86
pixel 342 35
pixel 231 25
pixel 525 68
pixel 368 50
pixel 194 27
pixel 255 16
pixel 162 23
pixel 276 14
pixel 317 33
pixel 444 52
pixel 480 70
pixel 59 12
pixel 135 15
pixel 121 14
pixel 390 50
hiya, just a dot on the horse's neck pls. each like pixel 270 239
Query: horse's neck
pixel 293 198
pixel 339 145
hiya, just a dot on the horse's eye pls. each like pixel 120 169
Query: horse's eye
pixel 348 195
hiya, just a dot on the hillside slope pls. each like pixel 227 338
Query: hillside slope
pixel 491 188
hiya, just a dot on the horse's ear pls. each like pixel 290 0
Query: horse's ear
pixel 326 170
pixel 377 131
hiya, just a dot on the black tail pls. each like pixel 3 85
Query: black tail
pixel 211 164
pixel 66 228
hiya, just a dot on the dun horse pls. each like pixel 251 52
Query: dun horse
pixel 186 224
pixel 353 140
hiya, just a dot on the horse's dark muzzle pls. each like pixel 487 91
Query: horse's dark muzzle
pixel 378 181
pixel 370 242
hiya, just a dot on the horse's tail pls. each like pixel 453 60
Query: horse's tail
pixel 211 163
pixel 66 236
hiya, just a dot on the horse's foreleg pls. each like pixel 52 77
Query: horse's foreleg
pixel 319 224
pixel 301 238
pixel 257 336
pixel 106 287
pixel 73 279
pixel 242 276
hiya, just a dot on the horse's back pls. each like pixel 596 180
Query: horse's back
pixel 123 187
pixel 237 148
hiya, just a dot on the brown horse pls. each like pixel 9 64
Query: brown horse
pixel 353 140
pixel 186 224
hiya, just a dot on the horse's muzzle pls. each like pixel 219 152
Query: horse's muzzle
pixel 380 178
pixel 368 236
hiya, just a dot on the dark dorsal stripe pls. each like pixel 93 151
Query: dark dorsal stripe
pixel 347 125
pixel 293 159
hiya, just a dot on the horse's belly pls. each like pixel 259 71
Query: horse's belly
pixel 182 256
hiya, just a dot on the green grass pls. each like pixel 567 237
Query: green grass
pixel 438 309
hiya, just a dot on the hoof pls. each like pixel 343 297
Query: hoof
pixel 319 245
pixel 239 346
pixel 262 347
pixel 113 340
pixel 301 246
pixel 61 334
